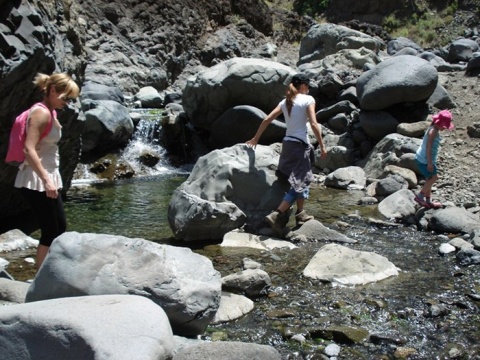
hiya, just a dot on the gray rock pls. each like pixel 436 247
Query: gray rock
pixel 232 306
pixel 396 80
pixel 395 45
pixel 96 264
pixel 473 65
pixel 339 264
pixel 220 350
pixel 239 124
pixel 326 39
pixel 16 240
pixel 387 152
pixel 149 97
pixel 398 205
pixel 475 238
pixel 408 175
pixel 13 291
pixel 468 257
pixel 462 50
pixel 346 178
pixel 239 81
pixel 338 157
pixel 314 230
pixel 441 99
pixel 87 327
pixel 390 185
pixel 474 130
pixel 108 126
pixel 416 129
pixel 378 124
pixel 92 92
pixel 253 283
pixel 454 220
pixel 225 190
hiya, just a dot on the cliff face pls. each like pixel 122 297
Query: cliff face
pixel 134 43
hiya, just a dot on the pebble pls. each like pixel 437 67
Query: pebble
pixel 332 350
pixel 446 249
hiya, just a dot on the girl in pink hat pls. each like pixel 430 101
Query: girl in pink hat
pixel 426 157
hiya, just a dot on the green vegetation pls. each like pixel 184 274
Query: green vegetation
pixel 425 28
pixel 310 7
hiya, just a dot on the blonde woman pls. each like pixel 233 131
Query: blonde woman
pixel 298 108
pixel 38 176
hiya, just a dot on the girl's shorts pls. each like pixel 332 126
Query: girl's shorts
pixel 423 169
pixel 292 195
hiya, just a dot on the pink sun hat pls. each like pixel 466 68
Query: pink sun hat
pixel 444 120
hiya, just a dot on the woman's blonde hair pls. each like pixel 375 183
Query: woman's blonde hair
pixel 292 91
pixel 61 82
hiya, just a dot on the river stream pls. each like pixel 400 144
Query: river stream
pixel 396 312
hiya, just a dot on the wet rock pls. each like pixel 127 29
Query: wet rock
pixel 232 306
pixel 252 283
pixel 446 249
pixel 339 264
pixel 468 257
pixel 436 310
pixel 314 230
pixel 341 334
pixel 228 350
pixel 387 339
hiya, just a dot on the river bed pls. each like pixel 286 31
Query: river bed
pixel 395 311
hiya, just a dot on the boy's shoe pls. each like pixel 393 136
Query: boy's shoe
pixel 272 217
pixel 275 219
pixel 422 202
pixel 302 217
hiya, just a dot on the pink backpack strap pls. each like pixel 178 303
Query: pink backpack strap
pixel 50 122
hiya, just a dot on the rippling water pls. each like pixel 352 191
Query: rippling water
pixel 393 308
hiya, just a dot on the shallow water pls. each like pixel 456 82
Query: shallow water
pixel 392 309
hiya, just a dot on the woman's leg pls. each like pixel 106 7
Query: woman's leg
pixel 301 216
pixel 51 219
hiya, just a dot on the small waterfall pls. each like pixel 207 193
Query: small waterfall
pixel 141 153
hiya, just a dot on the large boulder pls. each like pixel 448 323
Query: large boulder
pixel 183 283
pixel 454 220
pixel 378 124
pixel 322 40
pixel 240 123
pixel 108 126
pixel 399 79
pixel 86 327
pixel 238 81
pixel 389 151
pixel 226 189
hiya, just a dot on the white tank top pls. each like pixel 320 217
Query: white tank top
pixel 47 150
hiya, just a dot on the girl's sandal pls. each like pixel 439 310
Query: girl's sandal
pixel 422 202
pixel 435 205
